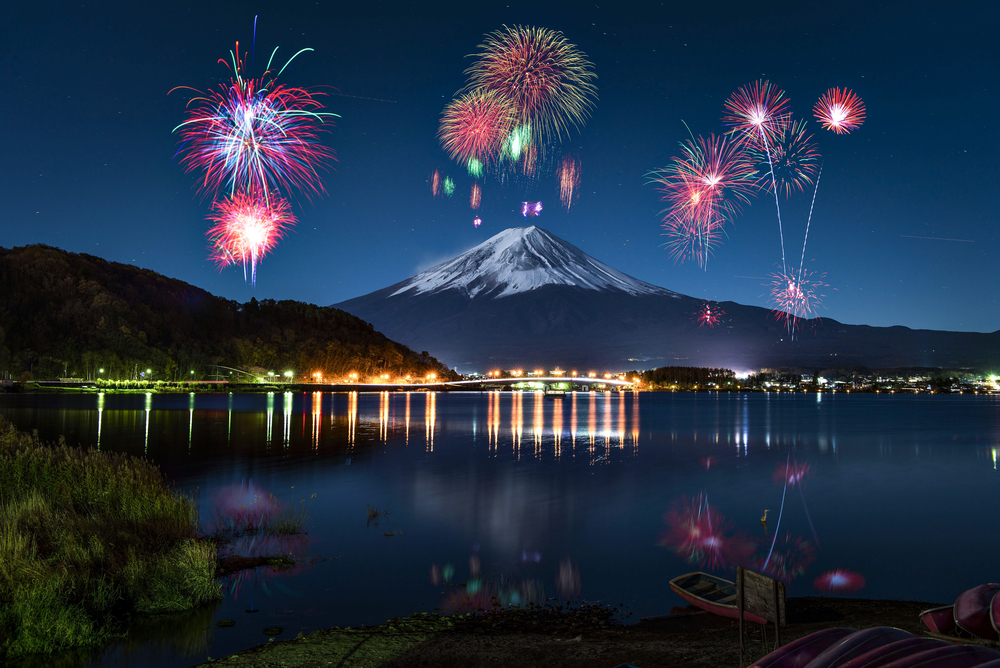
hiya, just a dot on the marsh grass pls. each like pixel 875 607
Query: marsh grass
pixel 88 539
pixel 375 515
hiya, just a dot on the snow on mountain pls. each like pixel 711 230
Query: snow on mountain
pixel 522 259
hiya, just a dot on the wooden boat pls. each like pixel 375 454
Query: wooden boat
pixel 711 593
pixel 940 620
pixel 973 608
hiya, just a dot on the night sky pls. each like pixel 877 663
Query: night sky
pixel 905 224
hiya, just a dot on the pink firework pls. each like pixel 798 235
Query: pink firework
pixel 840 110
pixel 435 182
pixel 530 209
pixel 757 113
pixel 255 135
pixel 791 473
pixel 709 315
pixel 691 239
pixel 477 222
pixel 792 159
pixel 789 559
pixel 703 536
pixel 246 229
pixel 795 298
pixel 839 580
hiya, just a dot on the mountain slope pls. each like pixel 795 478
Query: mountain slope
pixel 68 314
pixel 526 298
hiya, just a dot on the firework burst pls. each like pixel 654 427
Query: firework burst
pixel 793 158
pixel 247 228
pixel 757 113
pixel 790 559
pixel 474 127
pixel 791 473
pixel 703 536
pixel 840 110
pixel 795 298
pixel 255 135
pixel 709 315
pixel 547 81
pixel 691 239
pixel 569 181
pixel 839 580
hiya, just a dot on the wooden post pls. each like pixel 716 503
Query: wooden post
pixel 762 596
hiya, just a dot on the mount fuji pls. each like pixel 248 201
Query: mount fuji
pixel 527 299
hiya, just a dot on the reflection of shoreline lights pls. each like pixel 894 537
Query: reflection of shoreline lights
pixel 317 418
pixel 538 421
pixel 839 580
pixel 352 417
pixel 430 418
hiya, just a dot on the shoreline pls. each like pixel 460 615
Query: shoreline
pixel 544 637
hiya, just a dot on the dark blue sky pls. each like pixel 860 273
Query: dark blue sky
pixel 88 152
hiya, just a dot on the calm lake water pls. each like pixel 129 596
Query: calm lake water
pixel 588 495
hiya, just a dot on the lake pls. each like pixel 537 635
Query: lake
pixel 521 496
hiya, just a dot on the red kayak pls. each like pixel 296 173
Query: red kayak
pixel 973 608
pixel 800 652
pixel 711 593
pixel 940 620
pixel 950 656
pixel 894 651
pixel 856 644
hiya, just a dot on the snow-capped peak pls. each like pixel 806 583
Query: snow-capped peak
pixel 521 259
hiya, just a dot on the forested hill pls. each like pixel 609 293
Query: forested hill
pixel 68 314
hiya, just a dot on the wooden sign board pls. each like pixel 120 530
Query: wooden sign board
pixel 761 596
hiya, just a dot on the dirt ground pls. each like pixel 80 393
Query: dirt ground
pixel 550 637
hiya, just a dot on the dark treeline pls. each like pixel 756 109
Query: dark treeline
pixel 685 375
pixel 69 315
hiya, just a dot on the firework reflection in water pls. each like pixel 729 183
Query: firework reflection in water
pixel 703 536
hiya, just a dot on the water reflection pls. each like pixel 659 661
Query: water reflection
pixel 430 418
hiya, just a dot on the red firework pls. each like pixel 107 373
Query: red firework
pixel 791 473
pixel 547 80
pixel 569 181
pixel 474 126
pixel 246 229
pixel 795 299
pixel 691 239
pixel 839 580
pixel 840 110
pixel 709 182
pixel 435 183
pixel 757 113
pixel 789 560
pixel 255 135
pixel 701 535
pixel 476 197
pixel 709 314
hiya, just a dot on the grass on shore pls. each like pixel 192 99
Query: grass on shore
pixel 88 539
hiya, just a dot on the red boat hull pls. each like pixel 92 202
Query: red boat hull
pixel 940 620
pixel 973 610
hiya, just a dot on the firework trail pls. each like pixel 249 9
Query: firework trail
pixel 805 239
pixel 255 135
pixel 780 512
pixel 476 197
pixel 795 476
pixel 690 239
pixel 474 127
pixel 548 82
pixel 569 181
pixel 758 113
pixel 247 228
pixel 435 183
pixel 840 110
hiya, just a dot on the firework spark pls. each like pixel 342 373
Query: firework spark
pixel 530 209
pixel 709 315
pixel 791 473
pixel 435 183
pixel 247 228
pixel 790 559
pixel 255 135
pixel 793 158
pixel 840 110
pixel 474 127
pixel 476 197
pixel 839 580
pixel 548 82
pixel 477 222
pixel 569 181
pixel 691 239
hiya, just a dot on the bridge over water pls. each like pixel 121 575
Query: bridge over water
pixel 536 384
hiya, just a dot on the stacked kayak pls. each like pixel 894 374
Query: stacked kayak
pixel 976 612
pixel 879 647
